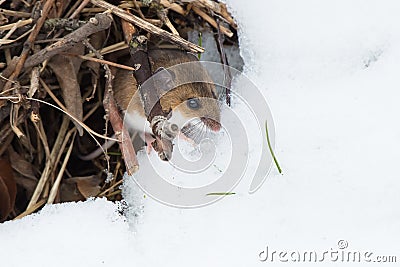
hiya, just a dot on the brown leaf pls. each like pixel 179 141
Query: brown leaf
pixel 20 165
pixel 88 186
pixel 26 183
pixel 69 192
pixel 24 172
pixel 8 189
pixel 66 69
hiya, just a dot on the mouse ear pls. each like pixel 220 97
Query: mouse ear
pixel 164 79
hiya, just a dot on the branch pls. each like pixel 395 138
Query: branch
pixel 149 27
pixel 98 23
pixel 29 43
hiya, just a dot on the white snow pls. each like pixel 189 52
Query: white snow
pixel 337 139
pixel 90 233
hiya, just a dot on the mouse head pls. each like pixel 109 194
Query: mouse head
pixel 194 104
pixel 189 92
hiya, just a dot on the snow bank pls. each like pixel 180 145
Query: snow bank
pixel 90 233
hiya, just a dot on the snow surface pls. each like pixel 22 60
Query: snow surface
pixel 330 71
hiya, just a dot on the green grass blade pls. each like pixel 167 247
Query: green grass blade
pixel 271 150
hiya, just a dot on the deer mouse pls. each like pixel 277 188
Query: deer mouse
pixel 193 106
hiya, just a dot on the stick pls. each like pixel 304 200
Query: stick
pixel 102 61
pixel 149 27
pixel 162 14
pixel 54 189
pixel 29 43
pixel 173 6
pixel 225 65
pixel 98 23
pixel 212 22
pixel 79 9
pixel 49 164
pixel 13 13
pixel 218 8
pixel 19 23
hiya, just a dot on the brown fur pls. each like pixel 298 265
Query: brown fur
pixel 125 86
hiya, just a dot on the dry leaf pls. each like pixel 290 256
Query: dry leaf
pixel 88 186
pixel 20 165
pixel 66 69
pixel 8 189
pixel 69 192
pixel 24 172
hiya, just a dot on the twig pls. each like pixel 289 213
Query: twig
pixel 5 41
pixel 162 14
pixel 31 210
pixel 74 7
pixel 34 82
pixel 173 6
pixel 54 189
pixel 137 7
pixel 29 42
pixel 211 21
pixel 51 25
pixel 79 9
pixel 225 14
pixel 93 10
pixel 149 27
pixel 96 24
pixel 47 41
pixel 225 65
pixel 6 129
pixel 12 30
pixel 102 194
pixel 219 8
pixel 20 23
pixel 13 13
pixel 42 136
pixel 13 115
pixel 110 49
pixel 102 61
pixel 7 54
pixel 49 164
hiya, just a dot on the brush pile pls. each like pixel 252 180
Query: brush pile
pixel 55 60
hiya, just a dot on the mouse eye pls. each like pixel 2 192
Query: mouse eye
pixel 193 103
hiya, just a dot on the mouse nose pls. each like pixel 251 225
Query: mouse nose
pixel 211 123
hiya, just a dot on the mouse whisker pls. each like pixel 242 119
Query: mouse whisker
pixel 194 133
pixel 201 133
pixel 190 127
